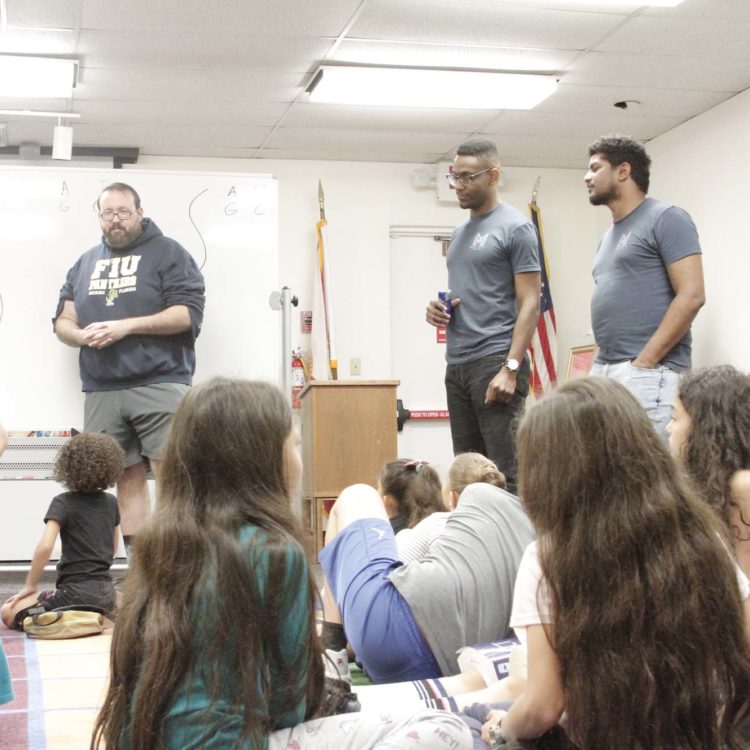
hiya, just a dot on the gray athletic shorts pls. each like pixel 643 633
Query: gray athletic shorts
pixel 138 418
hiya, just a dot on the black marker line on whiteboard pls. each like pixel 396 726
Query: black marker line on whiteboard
pixel 190 216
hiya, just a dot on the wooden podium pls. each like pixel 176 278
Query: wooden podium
pixel 348 433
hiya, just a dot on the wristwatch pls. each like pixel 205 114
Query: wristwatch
pixel 512 364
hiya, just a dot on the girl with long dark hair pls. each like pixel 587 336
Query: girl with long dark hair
pixel 710 434
pixel 215 645
pixel 629 601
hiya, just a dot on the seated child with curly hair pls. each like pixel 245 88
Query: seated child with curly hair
pixel 87 520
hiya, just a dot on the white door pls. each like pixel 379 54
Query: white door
pixel 418 271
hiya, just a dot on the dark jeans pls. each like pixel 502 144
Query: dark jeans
pixel 488 429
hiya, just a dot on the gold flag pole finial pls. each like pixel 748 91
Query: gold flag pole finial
pixel 535 189
pixel 321 200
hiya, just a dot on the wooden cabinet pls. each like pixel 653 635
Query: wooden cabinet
pixel 348 433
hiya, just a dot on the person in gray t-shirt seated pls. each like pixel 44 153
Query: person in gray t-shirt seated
pixel 648 276
pixel 406 621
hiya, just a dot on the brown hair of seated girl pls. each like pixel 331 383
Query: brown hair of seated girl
pixel 639 634
pixel 710 434
pixel 411 490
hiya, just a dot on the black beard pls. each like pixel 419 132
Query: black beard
pixel 123 240
pixel 602 199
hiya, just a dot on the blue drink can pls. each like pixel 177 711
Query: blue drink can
pixel 444 295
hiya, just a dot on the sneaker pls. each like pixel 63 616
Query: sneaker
pixel 336 665
pixel 339 698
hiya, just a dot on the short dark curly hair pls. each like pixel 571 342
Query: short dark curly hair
pixel 89 462
pixel 617 149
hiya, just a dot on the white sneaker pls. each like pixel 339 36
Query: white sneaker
pixel 336 665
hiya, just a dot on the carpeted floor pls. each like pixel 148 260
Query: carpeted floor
pixel 58 688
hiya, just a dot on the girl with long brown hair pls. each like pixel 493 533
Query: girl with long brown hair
pixel 710 434
pixel 629 599
pixel 215 645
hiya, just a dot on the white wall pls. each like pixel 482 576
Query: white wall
pixel 362 201
pixel 703 167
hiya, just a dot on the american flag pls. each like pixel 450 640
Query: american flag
pixel 544 342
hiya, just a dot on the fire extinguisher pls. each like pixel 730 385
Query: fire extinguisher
pixel 299 376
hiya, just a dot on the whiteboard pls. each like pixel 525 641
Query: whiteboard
pixel 227 221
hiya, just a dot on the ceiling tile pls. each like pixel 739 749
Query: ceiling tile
pixel 157 113
pixel 385 118
pixel 726 9
pixel 570 125
pixel 259 17
pixel 38 105
pixel 143 136
pixel 484 24
pixel 682 36
pixel 49 42
pixel 219 152
pixel 588 100
pixel 157 50
pixel 42 14
pixel 199 86
pixel 612 69
pixel 393 141
pixel 362 153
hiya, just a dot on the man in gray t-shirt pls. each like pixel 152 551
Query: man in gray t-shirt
pixel 649 279
pixel 495 283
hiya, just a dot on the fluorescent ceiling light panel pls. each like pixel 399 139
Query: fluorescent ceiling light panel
pixel 420 87
pixel 37 77
pixel 37 113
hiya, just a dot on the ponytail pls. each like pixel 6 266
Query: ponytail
pixel 415 486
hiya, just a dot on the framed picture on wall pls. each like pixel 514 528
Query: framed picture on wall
pixel 580 360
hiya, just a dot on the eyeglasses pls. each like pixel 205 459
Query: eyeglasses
pixel 464 178
pixel 122 214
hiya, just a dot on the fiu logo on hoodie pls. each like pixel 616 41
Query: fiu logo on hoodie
pixel 114 276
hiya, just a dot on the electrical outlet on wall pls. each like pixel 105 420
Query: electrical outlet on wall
pixel 355 366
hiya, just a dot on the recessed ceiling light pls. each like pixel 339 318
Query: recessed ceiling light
pixel 427 87
pixel 24 77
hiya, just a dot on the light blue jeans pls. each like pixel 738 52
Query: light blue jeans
pixel 655 389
